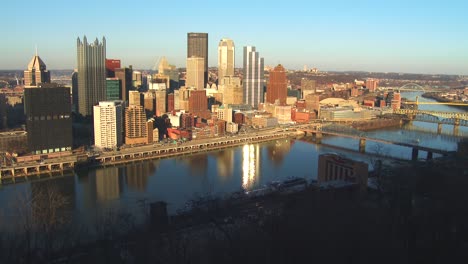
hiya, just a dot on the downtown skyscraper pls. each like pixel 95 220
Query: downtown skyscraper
pixel 91 74
pixel 36 73
pixel 254 79
pixel 226 61
pixel 277 88
pixel 197 46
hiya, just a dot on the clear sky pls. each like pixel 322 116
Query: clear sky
pixel 386 36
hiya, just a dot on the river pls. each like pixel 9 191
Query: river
pixel 91 192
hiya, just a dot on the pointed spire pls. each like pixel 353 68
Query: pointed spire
pixel 36 49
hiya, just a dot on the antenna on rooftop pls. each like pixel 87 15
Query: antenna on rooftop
pixel 36 49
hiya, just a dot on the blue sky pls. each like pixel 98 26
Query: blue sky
pixel 398 36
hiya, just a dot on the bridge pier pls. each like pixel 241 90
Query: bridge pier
pixel 318 137
pixel 439 128
pixel 362 145
pixel 429 155
pixel 456 127
pixel 414 154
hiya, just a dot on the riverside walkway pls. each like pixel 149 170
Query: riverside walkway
pixel 57 166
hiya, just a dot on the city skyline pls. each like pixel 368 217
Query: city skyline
pixel 416 37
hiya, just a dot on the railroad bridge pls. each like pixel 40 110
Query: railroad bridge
pixel 319 131
pixel 456 119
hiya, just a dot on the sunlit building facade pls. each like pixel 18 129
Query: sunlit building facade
pixel 226 58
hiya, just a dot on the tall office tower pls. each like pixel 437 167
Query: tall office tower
pixel 277 88
pixel 308 87
pixel 371 84
pixel 111 65
pixel 195 68
pixel 254 79
pixel 226 61
pixel 149 103
pixel 233 92
pixel 108 124
pixel 197 46
pixel 75 91
pixel 36 73
pixel 161 107
pixel 125 77
pixel 92 74
pixel 113 89
pixel 134 98
pixel 135 125
pixel 48 118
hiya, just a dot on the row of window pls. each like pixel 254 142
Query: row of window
pixel 52 150
pixel 48 117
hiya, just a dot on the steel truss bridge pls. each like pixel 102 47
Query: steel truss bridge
pixel 448 118
pixel 413 87
pixel 317 130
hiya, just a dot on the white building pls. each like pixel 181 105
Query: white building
pixel 108 126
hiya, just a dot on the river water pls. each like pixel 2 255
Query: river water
pixel 91 192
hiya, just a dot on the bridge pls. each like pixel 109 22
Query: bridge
pixel 456 119
pixel 317 131
pixel 413 87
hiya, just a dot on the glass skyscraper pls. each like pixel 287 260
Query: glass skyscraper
pixel 254 79
pixel 91 74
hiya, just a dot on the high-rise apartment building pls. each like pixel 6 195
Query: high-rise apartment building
pixel 195 73
pixel 135 125
pixel 48 118
pixel 36 73
pixel 371 84
pixel 197 46
pixel 254 79
pixel 226 58
pixel 108 124
pixel 92 74
pixel 277 88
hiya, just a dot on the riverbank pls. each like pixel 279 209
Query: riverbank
pixel 438 98
pixel 128 155
pixel 374 124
